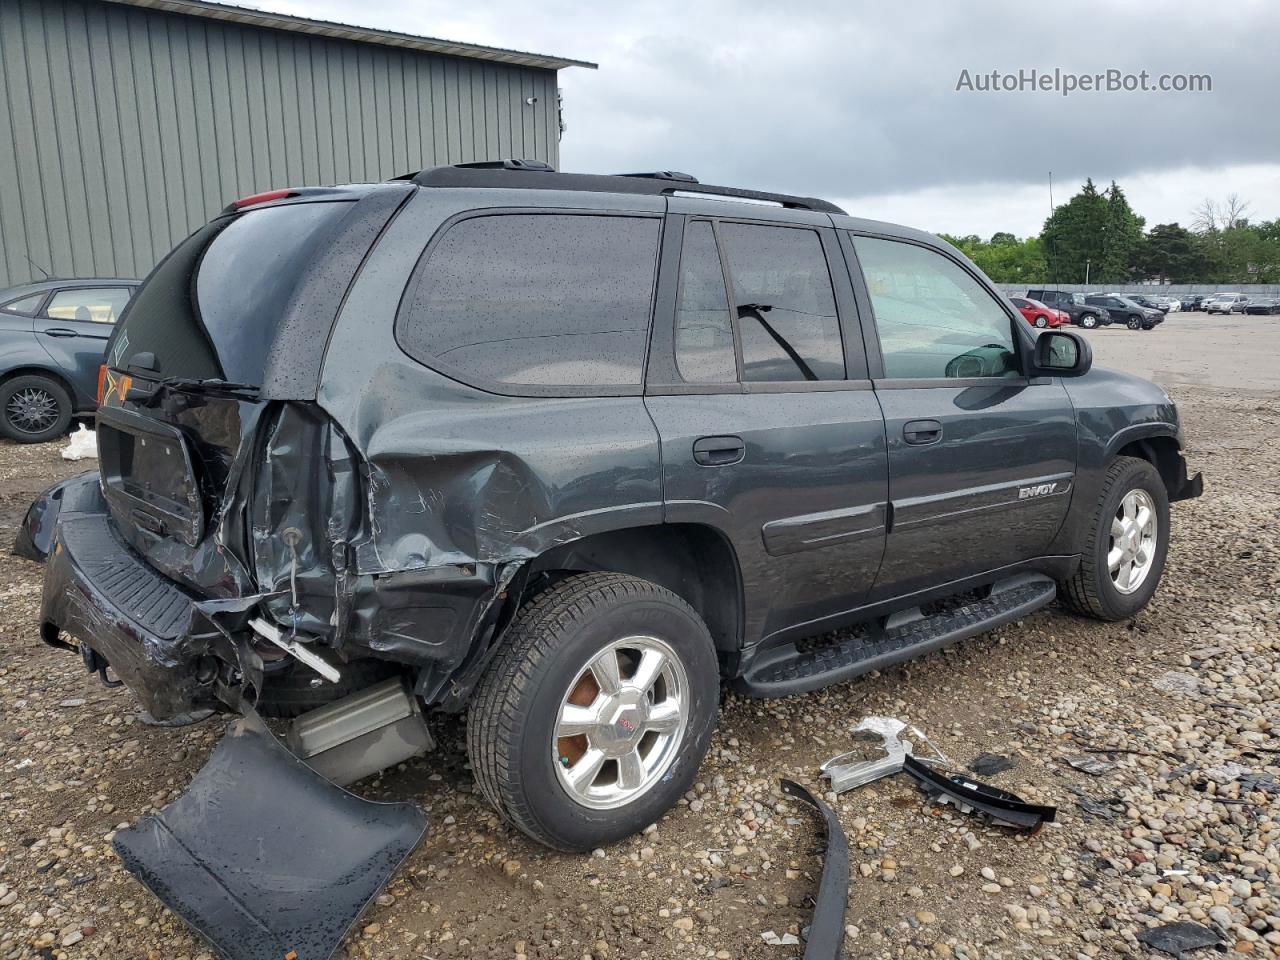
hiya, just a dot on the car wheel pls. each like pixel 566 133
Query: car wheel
pixel 1134 322
pixel 1088 321
pixel 594 716
pixel 1042 321
pixel 33 409
pixel 1123 557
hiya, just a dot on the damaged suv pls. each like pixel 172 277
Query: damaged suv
pixel 568 451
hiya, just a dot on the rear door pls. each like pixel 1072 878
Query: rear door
pixel 74 327
pixel 770 431
pixel 981 458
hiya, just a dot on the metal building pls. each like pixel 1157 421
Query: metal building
pixel 124 124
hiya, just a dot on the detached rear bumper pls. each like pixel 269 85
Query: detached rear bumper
pixel 152 633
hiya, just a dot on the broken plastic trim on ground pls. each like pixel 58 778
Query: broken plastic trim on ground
pixel 263 879
pixel 961 791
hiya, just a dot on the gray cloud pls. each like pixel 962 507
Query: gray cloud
pixel 849 99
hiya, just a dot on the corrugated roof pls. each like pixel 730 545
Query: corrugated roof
pixel 344 31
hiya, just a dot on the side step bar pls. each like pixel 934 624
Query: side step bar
pixel 797 668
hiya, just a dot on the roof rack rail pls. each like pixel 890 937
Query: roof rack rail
pixel 663 175
pixel 534 174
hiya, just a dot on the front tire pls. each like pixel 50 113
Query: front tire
pixel 1088 321
pixel 33 409
pixel 1124 555
pixel 1134 322
pixel 593 718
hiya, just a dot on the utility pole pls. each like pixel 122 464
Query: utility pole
pixel 1086 272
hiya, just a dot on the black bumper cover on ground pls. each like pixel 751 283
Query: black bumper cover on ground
pixel 264 857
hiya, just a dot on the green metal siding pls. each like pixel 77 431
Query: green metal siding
pixel 123 129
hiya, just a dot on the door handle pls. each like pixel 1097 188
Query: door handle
pixel 719 451
pixel 922 431
pixel 60 332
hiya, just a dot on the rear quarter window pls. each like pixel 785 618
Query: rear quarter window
pixel 534 303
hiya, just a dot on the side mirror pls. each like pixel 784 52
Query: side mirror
pixel 1059 353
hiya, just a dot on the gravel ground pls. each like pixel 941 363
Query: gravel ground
pixel 1180 704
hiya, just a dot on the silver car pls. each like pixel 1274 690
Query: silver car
pixel 1226 303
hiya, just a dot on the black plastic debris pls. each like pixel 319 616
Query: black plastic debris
pixel 989 764
pixel 968 796
pixel 1095 766
pixel 264 857
pixel 1094 807
pixel 1176 939
pixel 826 931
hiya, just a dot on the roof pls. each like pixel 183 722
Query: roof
pixel 343 31
pixel 533 174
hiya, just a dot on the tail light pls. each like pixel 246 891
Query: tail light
pixel 266 197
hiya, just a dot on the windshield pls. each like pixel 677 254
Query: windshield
pixel 211 308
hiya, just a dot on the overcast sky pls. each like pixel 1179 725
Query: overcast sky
pixel 857 101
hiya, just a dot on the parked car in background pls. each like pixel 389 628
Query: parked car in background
pixel 1151 303
pixel 1192 301
pixel 1040 315
pixel 1168 304
pixel 1125 310
pixel 1226 303
pixel 52 338
pixel 1072 304
pixel 1264 307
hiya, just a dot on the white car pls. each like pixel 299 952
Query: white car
pixel 1226 303
pixel 1173 303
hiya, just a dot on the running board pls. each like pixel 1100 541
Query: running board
pixel 799 667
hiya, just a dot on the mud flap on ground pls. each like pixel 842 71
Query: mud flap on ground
pixel 264 857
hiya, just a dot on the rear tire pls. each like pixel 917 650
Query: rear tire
pixel 1042 321
pixel 34 409
pixel 1120 568
pixel 640 744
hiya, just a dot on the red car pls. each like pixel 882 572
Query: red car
pixel 1039 315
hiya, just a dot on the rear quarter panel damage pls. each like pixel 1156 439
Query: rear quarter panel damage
pixel 458 487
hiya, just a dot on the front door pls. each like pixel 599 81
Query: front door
pixel 74 326
pixel 981 458
pixel 770 430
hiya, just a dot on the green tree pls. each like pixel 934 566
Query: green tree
pixel 1005 258
pixel 1172 254
pixel 1121 237
pixel 1072 236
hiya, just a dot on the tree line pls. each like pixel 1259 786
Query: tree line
pixel 1095 237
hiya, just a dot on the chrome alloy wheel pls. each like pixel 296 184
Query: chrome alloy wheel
pixel 621 722
pixel 1134 530
pixel 32 410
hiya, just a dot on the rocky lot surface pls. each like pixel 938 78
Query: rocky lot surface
pixel 1181 821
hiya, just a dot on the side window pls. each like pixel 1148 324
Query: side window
pixel 101 305
pixel 25 305
pixel 704 331
pixel 786 308
pixel 536 300
pixel 934 319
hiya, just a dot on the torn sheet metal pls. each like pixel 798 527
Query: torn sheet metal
pixel 847 771
pixel 264 874
pixel 826 931
pixel 970 796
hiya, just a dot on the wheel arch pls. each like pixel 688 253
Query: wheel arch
pixel 694 561
pixel 35 370
pixel 1163 451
